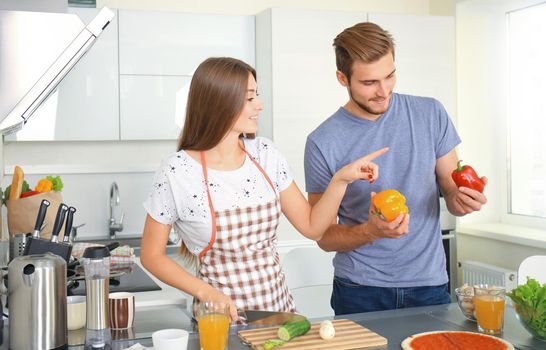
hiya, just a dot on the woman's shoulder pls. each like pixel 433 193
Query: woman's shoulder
pixel 174 157
pixel 175 161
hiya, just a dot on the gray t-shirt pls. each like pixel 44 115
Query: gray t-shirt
pixel 418 132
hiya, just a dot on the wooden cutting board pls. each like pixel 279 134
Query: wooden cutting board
pixel 349 335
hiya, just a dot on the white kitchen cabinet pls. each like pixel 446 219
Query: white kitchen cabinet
pixel 85 105
pixel 296 71
pixel 152 107
pixel 170 43
pixel 159 51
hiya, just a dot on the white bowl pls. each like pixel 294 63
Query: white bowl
pixel 75 312
pixel 170 339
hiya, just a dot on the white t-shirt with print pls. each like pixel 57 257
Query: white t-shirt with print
pixel 179 198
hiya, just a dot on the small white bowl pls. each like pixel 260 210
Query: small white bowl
pixel 75 312
pixel 170 339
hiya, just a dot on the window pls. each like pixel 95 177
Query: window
pixel 526 93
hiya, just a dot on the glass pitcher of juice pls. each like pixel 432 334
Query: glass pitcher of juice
pixel 213 324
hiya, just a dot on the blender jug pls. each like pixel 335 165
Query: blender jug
pixel 96 263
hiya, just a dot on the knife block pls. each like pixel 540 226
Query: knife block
pixel 41 246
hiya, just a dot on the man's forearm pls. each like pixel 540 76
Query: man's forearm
pixel 343 238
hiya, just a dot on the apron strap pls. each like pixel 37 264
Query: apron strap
pixel 211 206
pixel 259 168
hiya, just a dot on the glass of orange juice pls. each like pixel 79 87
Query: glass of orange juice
pixel 213 324
pixel 489 308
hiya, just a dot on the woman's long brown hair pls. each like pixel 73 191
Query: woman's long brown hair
pixel 216 97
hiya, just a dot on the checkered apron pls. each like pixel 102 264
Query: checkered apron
pixel 241 259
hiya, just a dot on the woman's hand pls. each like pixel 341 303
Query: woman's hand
pixel 214 295
pixel 361 169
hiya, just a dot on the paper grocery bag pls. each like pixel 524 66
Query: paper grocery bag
pixel 22 213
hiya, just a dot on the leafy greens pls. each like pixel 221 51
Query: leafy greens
pixel 530 302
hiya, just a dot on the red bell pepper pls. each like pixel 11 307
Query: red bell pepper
pixel 29 193
pixel 465 176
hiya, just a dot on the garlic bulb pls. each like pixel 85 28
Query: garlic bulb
pixel 327 330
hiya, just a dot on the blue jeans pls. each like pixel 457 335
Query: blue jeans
pixel 349 297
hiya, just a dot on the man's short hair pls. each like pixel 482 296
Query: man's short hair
pixel 366 42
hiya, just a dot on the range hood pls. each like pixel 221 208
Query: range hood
pixel 37 50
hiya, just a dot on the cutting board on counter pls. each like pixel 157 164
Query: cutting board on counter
pixel 349 335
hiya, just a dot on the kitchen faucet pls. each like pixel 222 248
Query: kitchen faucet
pixel 114 202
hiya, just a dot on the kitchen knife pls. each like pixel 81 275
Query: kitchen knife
pixel 40 218
pixel 267 318
pixel 68 225
pixel 59 220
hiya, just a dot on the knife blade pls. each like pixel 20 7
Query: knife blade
pixel 268 318
pixel 59 220
pixel 68 225
pixel 40 218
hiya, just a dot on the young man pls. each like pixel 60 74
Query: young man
pixel 383 265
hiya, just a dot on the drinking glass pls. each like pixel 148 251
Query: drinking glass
pixel 213 324
pixel 489 303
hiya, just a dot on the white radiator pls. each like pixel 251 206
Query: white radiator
pixel 479 273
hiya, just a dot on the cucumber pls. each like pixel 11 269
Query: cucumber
pixel 293 329
pixel 273 343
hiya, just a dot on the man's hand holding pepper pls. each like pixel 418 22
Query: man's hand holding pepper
pixel 465 200
pixel 378 228
pixel 345 238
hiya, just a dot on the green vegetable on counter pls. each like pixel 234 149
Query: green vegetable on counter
pixel 293 329
pixel 530 300
pixel 273 343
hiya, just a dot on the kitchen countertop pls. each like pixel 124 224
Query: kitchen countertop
pixel 157 309
pixel 166 296
pixel 395 325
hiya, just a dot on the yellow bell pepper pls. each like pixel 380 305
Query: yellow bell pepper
pixel 44 185
pixel 390 203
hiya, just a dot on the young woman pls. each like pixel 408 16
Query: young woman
pixel 224 193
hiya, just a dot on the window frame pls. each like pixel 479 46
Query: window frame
pixel 506 185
